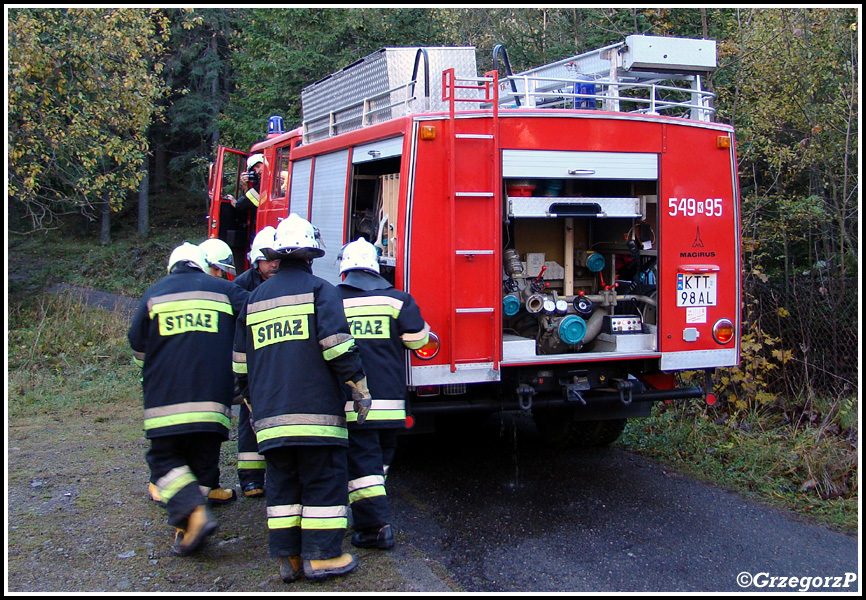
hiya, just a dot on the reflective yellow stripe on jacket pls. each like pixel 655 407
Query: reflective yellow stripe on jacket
pixel 381 410
pixel 185 413
pixel 239 363
pixel 299 426
pixel 336 345
pixel 413 341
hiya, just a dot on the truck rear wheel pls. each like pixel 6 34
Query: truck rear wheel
pixel 558 428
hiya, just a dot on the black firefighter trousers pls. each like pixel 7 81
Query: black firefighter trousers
pixel 251 464
pixel 179 465
pixel 306 491
pixel 370 454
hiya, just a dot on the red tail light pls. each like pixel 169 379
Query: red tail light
pixel 430 349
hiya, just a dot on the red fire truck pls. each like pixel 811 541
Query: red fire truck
pixel 571 232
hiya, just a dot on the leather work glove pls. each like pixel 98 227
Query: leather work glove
pixel 361 399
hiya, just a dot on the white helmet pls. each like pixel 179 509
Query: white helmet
pixel 218 255
pixel 296 237
pixel 263 239
pixel 254 159
pixel 190 254
pixel 359 254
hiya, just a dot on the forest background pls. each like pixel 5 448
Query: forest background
pixel 115 113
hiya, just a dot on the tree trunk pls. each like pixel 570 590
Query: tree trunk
pixel 215 99
pixel 105 220
pixel 143 200
pixel 159 165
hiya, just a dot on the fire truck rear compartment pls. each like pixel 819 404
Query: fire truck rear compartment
pixel 580 269
pixel 580 318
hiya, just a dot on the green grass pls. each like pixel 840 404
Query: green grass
pixel 806 465
pixel 63 355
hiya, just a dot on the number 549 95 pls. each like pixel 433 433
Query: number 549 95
pixel 689 207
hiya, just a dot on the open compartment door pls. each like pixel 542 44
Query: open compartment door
pixel 224 221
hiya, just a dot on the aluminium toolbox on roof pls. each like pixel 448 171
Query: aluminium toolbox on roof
pixel 379 72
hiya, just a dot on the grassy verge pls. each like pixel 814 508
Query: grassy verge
pixel 62 356
pixel 807 464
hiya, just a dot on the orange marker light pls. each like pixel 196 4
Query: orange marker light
pixel 427 132
pixel 723 331
pixel 723 141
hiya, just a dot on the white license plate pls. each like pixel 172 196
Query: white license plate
pixel 696 289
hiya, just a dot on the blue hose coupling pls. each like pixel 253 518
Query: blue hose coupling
pixel 510 305
pixel 572 329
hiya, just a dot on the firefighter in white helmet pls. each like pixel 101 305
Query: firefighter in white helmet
pixel 251 464
pixel 252 178
pixel 219 257
pixel 384 322
pixel 292 353
pixel 260 267
pixel 181 336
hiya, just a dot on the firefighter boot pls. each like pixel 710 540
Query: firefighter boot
pixel 220 496
pixel 290 568
pixel 254 489
pixel 153 491
pixel 379 537
pixel 178 536
pixel 317 570
pixel 200 525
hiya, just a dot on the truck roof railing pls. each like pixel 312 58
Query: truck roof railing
pixel 643 97
pixel 371 109
pixel 643 75
pixel 643 67
pixel 361 113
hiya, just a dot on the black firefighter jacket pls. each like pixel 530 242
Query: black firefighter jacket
pixel 293 351
pixel 181 336
pixel 384 321
pixel 249 279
